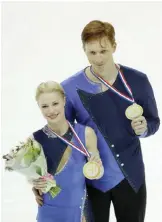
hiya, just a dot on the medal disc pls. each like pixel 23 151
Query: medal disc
pixel 91 170
pixel 134 111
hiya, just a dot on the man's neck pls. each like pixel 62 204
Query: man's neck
pixel 108 72
pixel 60 128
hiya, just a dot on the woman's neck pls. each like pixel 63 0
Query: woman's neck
pixel 60 128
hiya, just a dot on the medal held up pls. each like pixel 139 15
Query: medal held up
pixel 92 169
pixel 133 111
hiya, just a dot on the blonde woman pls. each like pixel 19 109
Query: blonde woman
pixel 63 160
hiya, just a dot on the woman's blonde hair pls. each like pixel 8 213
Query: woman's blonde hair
pixel 48 87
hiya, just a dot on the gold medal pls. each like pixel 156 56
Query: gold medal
pixel 92 170
pixel 134 111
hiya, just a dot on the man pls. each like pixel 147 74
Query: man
pixel 101 96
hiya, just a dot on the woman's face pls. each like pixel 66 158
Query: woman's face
pixel 52 106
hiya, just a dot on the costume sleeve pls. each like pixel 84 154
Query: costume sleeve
pixel 150 108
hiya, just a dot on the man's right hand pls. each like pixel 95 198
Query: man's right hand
pixel 38 196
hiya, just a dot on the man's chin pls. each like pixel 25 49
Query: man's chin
pixel 98 67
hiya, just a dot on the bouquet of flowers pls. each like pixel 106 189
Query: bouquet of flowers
pixel 28 159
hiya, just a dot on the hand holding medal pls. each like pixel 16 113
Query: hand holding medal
pixel 133 111
pixel 93 169
pixel 138 123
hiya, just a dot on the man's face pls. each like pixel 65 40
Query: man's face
pixel 99 52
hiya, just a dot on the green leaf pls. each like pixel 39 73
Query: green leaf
pixel 54 191
pixel 38 170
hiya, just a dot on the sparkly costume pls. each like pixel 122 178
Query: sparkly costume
pixel 71 204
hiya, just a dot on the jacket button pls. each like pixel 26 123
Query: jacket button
pixel 117 155
pixel 112 145
pixel 122 164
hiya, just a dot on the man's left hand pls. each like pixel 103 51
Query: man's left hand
pixel 139 125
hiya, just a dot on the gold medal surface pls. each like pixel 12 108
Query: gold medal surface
pixel 91 170
pixel 134 111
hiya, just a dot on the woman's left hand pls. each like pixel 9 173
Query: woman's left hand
pixel 95 157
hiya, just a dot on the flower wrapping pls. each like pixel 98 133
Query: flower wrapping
pixel 28 159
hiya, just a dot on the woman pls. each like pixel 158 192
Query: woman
pixel 64 161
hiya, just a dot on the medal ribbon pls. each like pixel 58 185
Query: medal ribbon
pixel 130 99
pixel 83 150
